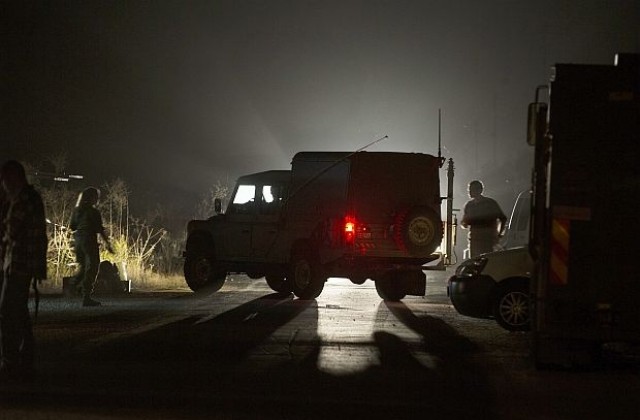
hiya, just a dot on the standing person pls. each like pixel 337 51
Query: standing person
pixel 24 257
pixel 484 219
pixel 86 224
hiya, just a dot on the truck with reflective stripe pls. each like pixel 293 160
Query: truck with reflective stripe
pixel 586 189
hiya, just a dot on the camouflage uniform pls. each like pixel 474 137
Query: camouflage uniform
pixel 86 224
pixel 482 214
pixel 24 256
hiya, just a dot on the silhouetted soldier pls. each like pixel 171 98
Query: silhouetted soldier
pixel 481 216
pixel 86 224
pixel 24 257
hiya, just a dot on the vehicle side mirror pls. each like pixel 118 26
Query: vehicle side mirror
pixel 536 122
pixel 217 206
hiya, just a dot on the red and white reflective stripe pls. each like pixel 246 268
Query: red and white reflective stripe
pixel 558 267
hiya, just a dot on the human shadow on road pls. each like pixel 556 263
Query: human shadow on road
pixel 230 334
pixel 401 385
pixel 193 352
pixel 462 381
pixel 262 358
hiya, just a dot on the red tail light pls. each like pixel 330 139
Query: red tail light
pixel 349 229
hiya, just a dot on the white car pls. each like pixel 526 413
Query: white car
pixel 494 285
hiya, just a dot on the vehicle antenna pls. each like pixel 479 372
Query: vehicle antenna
pixel 310 180
pixel 366 146
pixel 440 158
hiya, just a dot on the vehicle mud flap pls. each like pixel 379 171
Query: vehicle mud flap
pixel 415 283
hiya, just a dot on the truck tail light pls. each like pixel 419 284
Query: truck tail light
pixel 349 230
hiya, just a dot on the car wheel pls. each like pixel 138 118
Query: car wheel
pixel 511 307
pixel 307 279
pixel 389 288
pixel 278 283
pixel 419 231
pixel 202 274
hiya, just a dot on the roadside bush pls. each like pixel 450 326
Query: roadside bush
pixel 144 250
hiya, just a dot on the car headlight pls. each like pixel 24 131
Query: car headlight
pixel 471 267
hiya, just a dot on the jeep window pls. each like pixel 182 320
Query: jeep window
pixel 271 198
pixel 243 201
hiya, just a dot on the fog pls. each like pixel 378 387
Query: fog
pixel 174 96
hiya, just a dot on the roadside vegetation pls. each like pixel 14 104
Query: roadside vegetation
pixel 145 252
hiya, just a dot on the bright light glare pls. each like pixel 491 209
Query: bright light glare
pixel 267 194
pixel 349 227
pixel 343 332
pixel 345 327
pixel 245 194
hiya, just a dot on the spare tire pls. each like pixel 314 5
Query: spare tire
pixel 419 231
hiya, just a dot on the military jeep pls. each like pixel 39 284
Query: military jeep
pixel 361 215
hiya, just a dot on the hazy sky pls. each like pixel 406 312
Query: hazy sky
pixel 174 95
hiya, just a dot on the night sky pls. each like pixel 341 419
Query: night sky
pixel 172 96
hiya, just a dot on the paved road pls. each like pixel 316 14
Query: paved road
pixel 246 352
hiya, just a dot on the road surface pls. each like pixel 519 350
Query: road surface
pixel 246 352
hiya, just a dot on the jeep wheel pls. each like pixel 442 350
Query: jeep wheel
pixel 389 288
pixel 358 279
pixel 201 274
pixel 511 307
pixel 278 283
pixel 307 280
pixel 419 231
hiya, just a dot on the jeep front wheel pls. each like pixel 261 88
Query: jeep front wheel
pixel 307 280
pixel 202 274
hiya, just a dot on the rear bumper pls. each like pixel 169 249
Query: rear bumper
pixel 369 267
pixel 388 261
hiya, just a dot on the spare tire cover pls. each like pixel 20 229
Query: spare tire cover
pixel 419 231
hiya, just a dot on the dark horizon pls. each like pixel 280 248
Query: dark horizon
pixel 173 98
